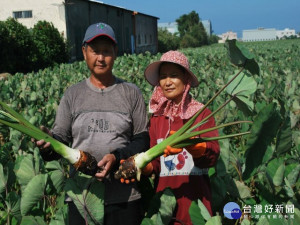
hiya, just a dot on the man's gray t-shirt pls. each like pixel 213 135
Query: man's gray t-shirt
pixel 99 121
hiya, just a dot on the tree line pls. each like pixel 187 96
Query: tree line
pixel 191 33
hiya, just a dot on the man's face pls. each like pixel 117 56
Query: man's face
pixel 100 55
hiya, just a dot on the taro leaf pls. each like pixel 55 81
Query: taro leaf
pixel 218 191
pixel 263 131
pixel 216 220
pixel 294 175
pixel 13 204
pixel 3 179
pixel 241 57
pixel 296 214
pixel 33 220
pixel 288 188
pixel 263 221
pixel 275 169
pixel 56 176
pixel 162 204
pixel 88 196
pixel 284 137
pixel 242 87
pixel 148 221
pixel 244 190
pixel 245 222
pixel 24 169
pixel 33 193
pixel 60 216
pixel 196 215
pixel 197 209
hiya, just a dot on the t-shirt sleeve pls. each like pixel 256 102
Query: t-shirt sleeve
pixel 63 120
pixel 139 114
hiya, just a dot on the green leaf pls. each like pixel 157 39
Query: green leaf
pixel 195 214
pixel 167 206
pixel 14 204
pixel 33 193
pixel 294 175
pixel 216 220
pixel 263 221
pixel 288 188
pixel 276 169
pixel 149 221
pixel 25 170
pixel 61 216
pixel 244 190
pixel 33 220
pixel 33 96
pixel 87 192
pixel 3 179
pixel 284 137
pixel 242 87
pixel 263 131
pixel 245 222
pixel 162 206
pixel 241 57
pixel 56 176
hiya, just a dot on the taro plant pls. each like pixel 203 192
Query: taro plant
pixel 258 169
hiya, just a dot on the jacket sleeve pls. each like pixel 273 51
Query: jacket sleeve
pixel 138 144
pixel 212 152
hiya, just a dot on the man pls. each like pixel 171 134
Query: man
pixel 106 117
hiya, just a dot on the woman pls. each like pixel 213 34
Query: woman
pixel 171 106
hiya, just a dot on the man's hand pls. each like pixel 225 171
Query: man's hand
pixel 106 163
pixel 41 144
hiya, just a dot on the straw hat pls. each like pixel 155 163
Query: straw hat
pixel 152 71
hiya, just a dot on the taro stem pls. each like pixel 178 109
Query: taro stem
pixel 82 161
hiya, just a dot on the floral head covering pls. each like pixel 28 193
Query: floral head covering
pixel 159 104
pixel 152 71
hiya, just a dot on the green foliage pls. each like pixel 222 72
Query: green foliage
pixel 191 30
pixel 167 41
pixel 50 44
pixel 262 168
pixel 88 195
pixel 25 50
pixel 16 47
pixel 212 39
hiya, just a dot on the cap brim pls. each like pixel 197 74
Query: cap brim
pixel 152 71
pixel 100 35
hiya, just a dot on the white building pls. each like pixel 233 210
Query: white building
pixel 136 32
pixel 260 34
pixel 285 33
pixel 172 27
pixel 207 26
pixel 30 12
pixel 229 35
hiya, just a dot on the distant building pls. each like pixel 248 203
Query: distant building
pixel 135 32
pixel 172 27
pixel 207 26
pixel 260 34
pixel 229 35
pixel 285 33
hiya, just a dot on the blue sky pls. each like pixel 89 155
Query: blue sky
pixel 225 15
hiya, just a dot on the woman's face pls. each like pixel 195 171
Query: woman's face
pixel 172 80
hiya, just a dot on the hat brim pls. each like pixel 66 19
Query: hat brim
pixel 152 71
pixel 100 35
